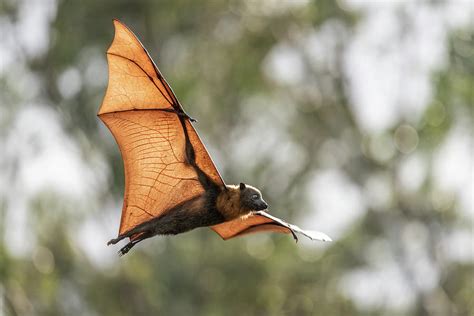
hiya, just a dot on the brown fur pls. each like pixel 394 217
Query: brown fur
pixel 229 202
pixel 214 207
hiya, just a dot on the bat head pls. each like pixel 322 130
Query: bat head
pixel 251 198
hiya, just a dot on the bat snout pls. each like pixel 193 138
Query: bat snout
pixel 262 206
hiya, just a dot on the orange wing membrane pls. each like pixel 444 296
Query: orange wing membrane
pixel 263 222
pixel 135 83
pixel 153 133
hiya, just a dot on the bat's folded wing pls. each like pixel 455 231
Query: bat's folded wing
pixel 263 222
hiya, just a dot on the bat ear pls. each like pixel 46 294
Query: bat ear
pixel 242 186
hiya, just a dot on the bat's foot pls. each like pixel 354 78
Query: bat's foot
pixel 126 248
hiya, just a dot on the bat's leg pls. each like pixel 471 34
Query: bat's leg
pixel 132 243
pixel 144 228
pixel 115 240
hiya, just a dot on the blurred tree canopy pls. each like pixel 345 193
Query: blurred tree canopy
pixel 275 126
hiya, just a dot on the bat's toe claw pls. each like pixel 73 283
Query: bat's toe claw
pixel 126 249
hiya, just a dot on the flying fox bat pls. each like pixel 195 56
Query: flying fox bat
pixel 171 184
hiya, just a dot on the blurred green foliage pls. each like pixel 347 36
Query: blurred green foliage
pixel 212 53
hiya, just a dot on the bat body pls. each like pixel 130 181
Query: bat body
pixel 216 206
pixel 171 184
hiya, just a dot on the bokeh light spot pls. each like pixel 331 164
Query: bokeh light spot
pixel 43 260
pixel 406 138
pixel 69 83
pixel 436 114
pixel 260 246
pixel 381 148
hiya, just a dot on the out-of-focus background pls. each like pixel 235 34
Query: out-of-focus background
pixel 354 117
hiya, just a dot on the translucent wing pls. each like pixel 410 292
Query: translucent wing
pixel 134 80
pixel 263 222
pixel 155 136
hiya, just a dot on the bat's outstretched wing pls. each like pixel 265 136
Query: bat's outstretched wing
pixel 263 222
pixel 165 161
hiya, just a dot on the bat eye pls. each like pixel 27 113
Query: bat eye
pixel 255 196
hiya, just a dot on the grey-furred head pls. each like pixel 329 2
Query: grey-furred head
pixel 251 198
